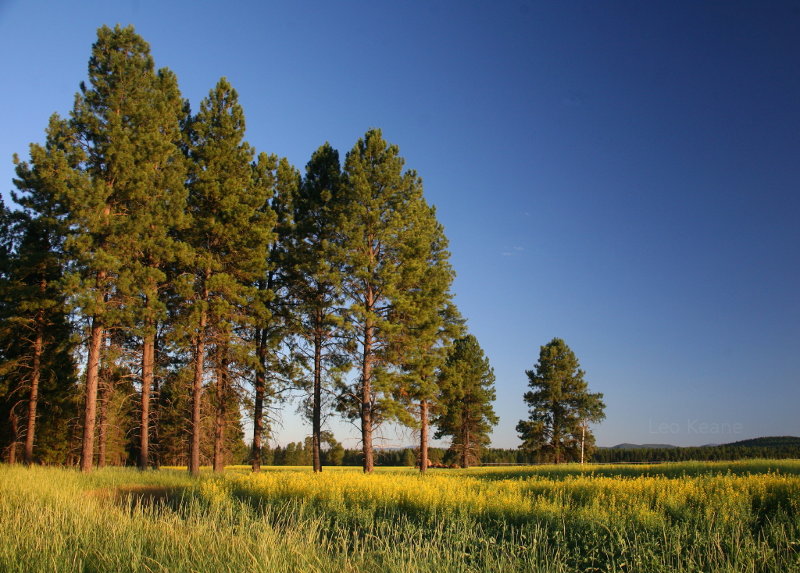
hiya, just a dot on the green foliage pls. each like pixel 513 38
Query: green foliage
pixel 231 224
pixel 560 406
pixel 334 456
pixel 301 453
pixel 466 383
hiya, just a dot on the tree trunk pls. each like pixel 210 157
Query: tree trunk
pixel 423 436
pixel 316 418
pixel 366 400
pixel 258 409
pixel 33 399
pixel 102 433
pixel 197 384
pixel 13 424
pixel 90 408
pixel 219 420
pixel 148 353
pixel 155 451
pixel 583 439
pixel 465 448
pixel 197 396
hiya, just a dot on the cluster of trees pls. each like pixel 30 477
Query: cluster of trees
pixel 160 278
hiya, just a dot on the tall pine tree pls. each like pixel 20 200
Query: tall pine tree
pixel 117 172
pixel 430 324
pixel 314 277
pixel 385 256
pixel 231 228
pixel 273 328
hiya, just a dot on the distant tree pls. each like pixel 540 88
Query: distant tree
pixel 560 406
pixel 467 391
pixel 334 456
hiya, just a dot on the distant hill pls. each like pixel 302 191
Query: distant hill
pixel 765 442
pixel 642 446
pixel 769 447
pixel 768 442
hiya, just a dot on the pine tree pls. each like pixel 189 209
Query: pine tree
pixel 384 257
pixel 430 324
pixel 115 170
pixel 467 391
pixel 155 198
pixel 560 405
pixel 272 329
pixel 9 431
pixel 314 276
pixel 231 228
pixel 35 328
pixel 44 183
pixel 35 332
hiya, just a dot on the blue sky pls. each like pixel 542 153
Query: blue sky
pixel 623 175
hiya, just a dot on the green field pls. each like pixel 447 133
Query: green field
pixel 737 516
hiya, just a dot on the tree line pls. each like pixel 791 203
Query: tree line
pixel 759 448
pixel 160 280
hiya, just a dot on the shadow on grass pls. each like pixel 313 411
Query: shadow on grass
pixel 136 497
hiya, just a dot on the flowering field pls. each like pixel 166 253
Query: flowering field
pixel 739 516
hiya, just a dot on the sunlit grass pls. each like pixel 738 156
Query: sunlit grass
pixel 734 516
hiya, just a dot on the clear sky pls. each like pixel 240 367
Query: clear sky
pixel 622 175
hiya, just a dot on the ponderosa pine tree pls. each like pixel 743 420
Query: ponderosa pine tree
pixel 466 384
pixel 54 175
pixel 35 333
pixel 560 405
pixel 431 323
pixel 37 327
pixel 231 227
pixel 117 173
pixel 426 358
pixel 9 429
pixel 314 276
pixel 155 201
pixel 273 328
pixel 385 257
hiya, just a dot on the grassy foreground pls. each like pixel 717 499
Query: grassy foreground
pixel 739 516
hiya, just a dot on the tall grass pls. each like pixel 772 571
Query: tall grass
pixel 743 516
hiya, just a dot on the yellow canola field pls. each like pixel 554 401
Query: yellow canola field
pixel 648 500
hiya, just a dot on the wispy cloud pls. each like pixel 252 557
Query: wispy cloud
pixel 511 251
